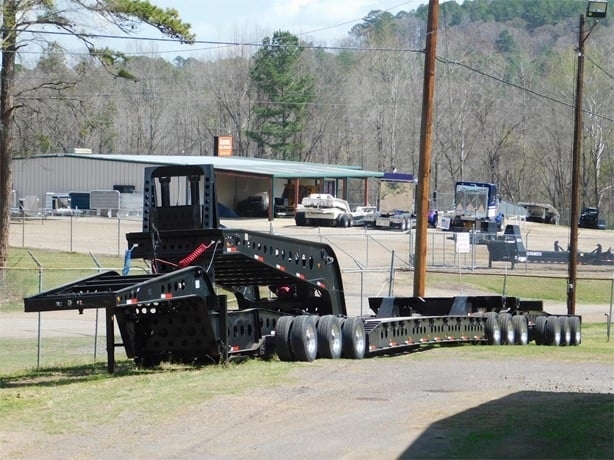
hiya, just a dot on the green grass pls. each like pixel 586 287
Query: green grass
pixel 528 287
pixel 534 425
pixel 86 396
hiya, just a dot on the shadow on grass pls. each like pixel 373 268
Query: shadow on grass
pixel 527 425
pixel 66 375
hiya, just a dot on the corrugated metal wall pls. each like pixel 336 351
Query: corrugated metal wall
pixel 59 174
pixel 38 176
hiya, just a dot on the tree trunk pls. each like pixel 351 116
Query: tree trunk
pixel 7 76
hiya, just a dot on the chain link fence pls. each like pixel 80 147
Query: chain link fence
pixel 374 263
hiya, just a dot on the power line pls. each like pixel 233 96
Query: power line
pixel 517 86
pixel 599 67
pixel 335 48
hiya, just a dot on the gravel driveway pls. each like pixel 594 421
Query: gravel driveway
pixel 409 406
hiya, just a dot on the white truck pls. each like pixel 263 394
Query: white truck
pixel 395 203
pixel 322 209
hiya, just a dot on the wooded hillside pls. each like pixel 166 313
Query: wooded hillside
pixel 504 100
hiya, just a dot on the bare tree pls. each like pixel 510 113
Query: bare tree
pixel 22 16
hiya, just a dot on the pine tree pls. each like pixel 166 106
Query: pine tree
pixel 283 93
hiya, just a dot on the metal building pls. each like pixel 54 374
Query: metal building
pixel 239 180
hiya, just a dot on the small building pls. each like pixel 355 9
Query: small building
pixel 248 187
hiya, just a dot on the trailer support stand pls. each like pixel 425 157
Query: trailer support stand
pixel 110 340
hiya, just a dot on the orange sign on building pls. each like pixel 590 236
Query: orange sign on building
pixel 222 146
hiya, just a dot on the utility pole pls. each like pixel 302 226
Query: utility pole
pixel 426 131
pixel 575 179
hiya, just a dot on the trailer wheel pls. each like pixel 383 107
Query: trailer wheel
pixel 492 330
pixel 521 330
pixel 565 330
pixel 299 219
pixel 282 338
pixel 303 338
pixel 575 328
pixel 508 334
pixel 552 331
pixel 329 337
pixel 343 221
pixel 404 225
pixel 353 338
pixel 540 330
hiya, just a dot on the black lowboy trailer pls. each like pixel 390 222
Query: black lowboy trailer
pixel 289 294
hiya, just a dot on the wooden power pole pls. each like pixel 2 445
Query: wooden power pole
pixel 426 132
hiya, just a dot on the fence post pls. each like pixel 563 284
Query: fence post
pixel 367 247
pixel 118 234
pixel 97 310
pixel 611 301
pixel 391 274
pixel 40 289
pixel 362 288
pixel 23 228
pixel 71 232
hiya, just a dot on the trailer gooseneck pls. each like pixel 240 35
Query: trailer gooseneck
pixel 289 294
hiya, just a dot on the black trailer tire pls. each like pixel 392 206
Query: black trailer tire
pixel 492 330
pixel 329 337
pixel 353 338
pixel 508 334
pixel 521 330
pixel 299 219
pixel 552 331
pixel 539 331
pixel 303 338
pixel 575 328
pixel 282 338
pixel 565 330
pixel 343 221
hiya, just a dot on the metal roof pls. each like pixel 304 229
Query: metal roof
pixel 255 166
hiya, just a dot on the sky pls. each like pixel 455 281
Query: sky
pixel 324 22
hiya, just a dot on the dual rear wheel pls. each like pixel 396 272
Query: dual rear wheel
pixel 558 330
pixel 305 338
pixel 506 329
